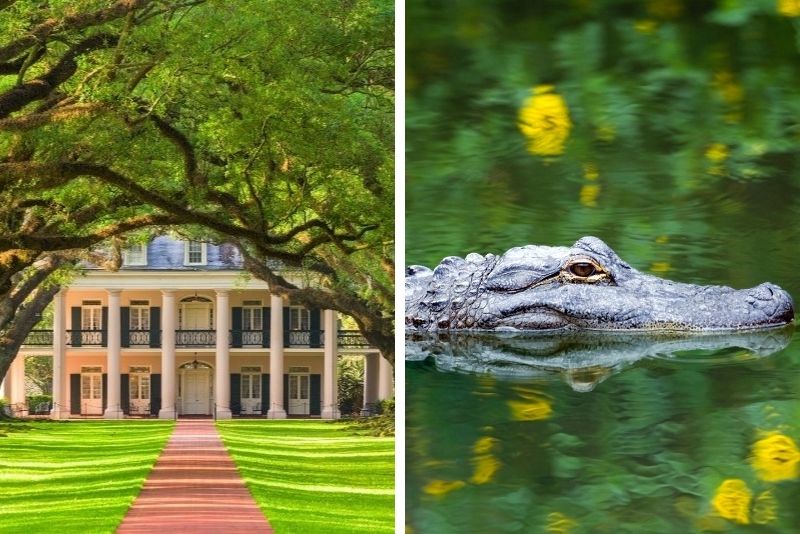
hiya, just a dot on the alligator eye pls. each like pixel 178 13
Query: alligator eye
pixel 582 269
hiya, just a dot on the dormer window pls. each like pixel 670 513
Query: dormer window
pixel 195 253
pixel 135 254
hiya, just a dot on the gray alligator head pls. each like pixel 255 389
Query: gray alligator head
pixel 586 286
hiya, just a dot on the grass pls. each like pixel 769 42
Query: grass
pixel 310 476
pixel 76 476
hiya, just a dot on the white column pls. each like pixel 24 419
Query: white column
pixel 114 404
pixel 330 408
pixel 60 408
pixel 370 382
pixel 385 385
pixel 168 370
pixel 276 408
pixel 3 388
pixel 17 383
pixel 222 398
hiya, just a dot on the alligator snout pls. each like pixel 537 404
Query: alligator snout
pixel 772 301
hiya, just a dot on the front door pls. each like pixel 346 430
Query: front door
pixel 251 390
pixel 299 398
pixel 91 393
pixel 140 390
pixel 196 392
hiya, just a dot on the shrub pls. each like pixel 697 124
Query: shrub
pixel 39 404
pixel 351 385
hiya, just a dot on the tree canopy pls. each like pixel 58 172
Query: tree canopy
pixel 268 124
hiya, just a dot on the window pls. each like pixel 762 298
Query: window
pixel 195 253
pixel 251 315
pixel 91 383
pixel 139 384
pixel 91 315
pixel 140 315
pixel 135 254
pixel 251 382
pixel 299 319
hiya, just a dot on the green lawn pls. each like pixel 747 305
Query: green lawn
pixel 310 476
pixel 76 476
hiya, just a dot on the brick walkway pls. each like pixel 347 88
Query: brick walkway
pixel 194 487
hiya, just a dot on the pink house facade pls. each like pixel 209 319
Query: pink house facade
pixel 182 330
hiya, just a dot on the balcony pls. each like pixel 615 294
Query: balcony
pixel 200 338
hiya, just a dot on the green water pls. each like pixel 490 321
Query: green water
pixel 683 154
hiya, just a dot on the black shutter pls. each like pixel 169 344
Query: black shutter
pixel 104 327
pixel 314 336
pixel 76 328
pixel 105 392
pixel 155 327
pixel 155 393
pixel 265 322
pixel 287 324
pixel 286 393
pixel 125 326
pixel 125 393
pixel 75 393
pixel 236 393
pixel 316 395
pixel 236 327
pixel 264 394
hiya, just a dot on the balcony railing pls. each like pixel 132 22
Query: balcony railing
pixel 195 338
pixel 86 338
pixel 352 339
pixel 40 338
pixel 139 337
pixel 199 338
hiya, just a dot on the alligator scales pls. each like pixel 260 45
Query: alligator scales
pixel 586 286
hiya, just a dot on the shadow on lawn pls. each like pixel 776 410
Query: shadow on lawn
pixel 8 426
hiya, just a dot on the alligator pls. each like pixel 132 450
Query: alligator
pixel 583 359
pixel 586 286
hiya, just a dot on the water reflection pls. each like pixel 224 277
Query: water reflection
pixel 584 359
pixel 692 434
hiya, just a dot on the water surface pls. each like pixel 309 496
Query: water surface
pixel 670 130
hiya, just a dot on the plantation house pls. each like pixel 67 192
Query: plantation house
pixel 181 329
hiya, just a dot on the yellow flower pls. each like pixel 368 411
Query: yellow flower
pixel 590 172
pixel 732 500
pixel 717 152
pixel 484 445
pixel 588 195
pixel 442 487
pixel 544 120
pixel 664 9
pixel 765 508
pixel 558 523
pixel 530 410
pixel 486 466
pixel 660 267
pixel 606 132
pixel 645 26
pixel 727 87
pixel 789 8
pixel 775 458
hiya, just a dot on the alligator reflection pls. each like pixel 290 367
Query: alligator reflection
pixel 584 359
pixel 684 434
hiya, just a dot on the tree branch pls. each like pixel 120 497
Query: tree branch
pixel 39 88
pixel 43 31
